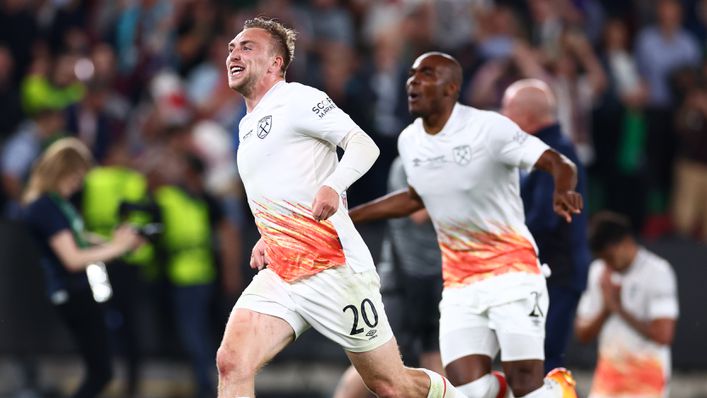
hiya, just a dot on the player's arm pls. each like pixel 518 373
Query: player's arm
pixel 360 152
pixel 564 173
pixel 587 329
pixel 397 204
pixel 659 330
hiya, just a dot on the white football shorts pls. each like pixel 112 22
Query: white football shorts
pixel 516 327
pixel 344 306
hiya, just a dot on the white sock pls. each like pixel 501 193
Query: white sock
pixel 548 390
pixel 485 387
pixel 440 387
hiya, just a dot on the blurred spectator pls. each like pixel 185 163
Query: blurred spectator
pixel 193 221
pixel 65 25
pixel 113 194
pixel 54 85
pixel 66 256
pixel 661 49
pixel 377 101
pixel 196 31
pixel 23 148
pixel 577 80
pixel 331 23
pixel 631 304
pixel 561 245
pixel 18 31
pixel 485 90
pixel 497 32
pixel 143 35
pixel 689 207
pixel 102 73
pixel 90 122
pixel 11 113
pixel 619 131
pixel 457 22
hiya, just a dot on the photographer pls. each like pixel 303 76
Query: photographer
pixel 65 254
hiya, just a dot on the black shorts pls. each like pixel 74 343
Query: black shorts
pixel 413 313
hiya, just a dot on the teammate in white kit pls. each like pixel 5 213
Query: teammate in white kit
pixel 462 165
pixel 315 270
pixel 631 303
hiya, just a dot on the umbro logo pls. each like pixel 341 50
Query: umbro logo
pixel 372 334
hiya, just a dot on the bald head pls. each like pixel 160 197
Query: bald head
pixel 446 63
pixel 531 104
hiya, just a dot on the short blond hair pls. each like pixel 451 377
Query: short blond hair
pixel 59 160
pixel 283 38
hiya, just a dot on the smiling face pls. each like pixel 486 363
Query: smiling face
pixel 250 58
pixel 431 84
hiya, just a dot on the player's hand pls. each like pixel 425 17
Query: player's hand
pixel 325 204
pixel 567 203
pixel 611 292
pixel 258 259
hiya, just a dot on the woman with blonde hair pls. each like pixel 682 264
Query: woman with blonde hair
pixel 65 254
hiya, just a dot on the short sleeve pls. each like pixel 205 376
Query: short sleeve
pixel 512 146
pixel 591 302
pixel 44 217
pixel 316 115
pixel 664 299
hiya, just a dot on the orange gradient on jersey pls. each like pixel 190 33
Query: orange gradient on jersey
pixel 297 245
pixel 469 256
pixel 629 375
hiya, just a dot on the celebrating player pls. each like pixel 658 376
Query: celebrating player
pixel 315 269
pixel 462 165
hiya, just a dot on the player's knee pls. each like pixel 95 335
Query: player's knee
pixel 233 364
pixel 524 380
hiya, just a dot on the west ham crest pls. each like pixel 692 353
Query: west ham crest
pixel 264 126
pixel 462 154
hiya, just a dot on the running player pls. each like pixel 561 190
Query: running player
pixel 315 270
pixel 462 165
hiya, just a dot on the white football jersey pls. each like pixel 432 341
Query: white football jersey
pixel 467 176
pixel 629 364
pixel 287 149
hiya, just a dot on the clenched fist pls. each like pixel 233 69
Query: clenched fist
pixel 325 204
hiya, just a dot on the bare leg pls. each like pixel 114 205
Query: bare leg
pixel 524 376
pixel 467 369
pixel 382 370
pixel 351 385
pixel 433 361
pixel 250 340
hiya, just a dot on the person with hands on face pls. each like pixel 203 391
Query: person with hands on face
pixel 462 166
pixel 314 268
pixel 631 304
pixel 58 230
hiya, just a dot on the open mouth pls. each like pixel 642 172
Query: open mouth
pixel 236 70
pixel 413 96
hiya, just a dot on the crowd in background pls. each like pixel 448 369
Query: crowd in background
pixel 143 84
pixel 147 77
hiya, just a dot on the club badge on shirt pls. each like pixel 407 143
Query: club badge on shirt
pixel 264 126
pixel 462 154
